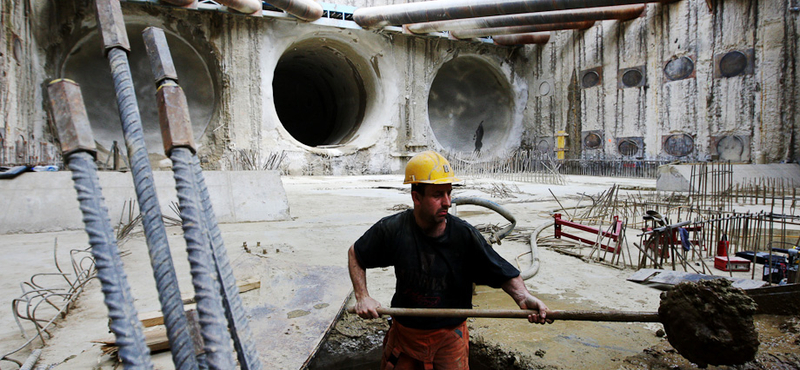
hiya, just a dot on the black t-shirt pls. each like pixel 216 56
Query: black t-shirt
pixel 432 272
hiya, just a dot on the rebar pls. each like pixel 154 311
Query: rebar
pixel 125 324
pixel 234 308
pixel 155 233
pixel 216 339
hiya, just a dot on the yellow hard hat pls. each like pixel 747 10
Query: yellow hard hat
pixel 429 168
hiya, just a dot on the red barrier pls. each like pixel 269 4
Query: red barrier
pixel 614 235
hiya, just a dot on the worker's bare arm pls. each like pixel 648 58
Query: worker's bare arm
pixel 366 306
pixel 519 292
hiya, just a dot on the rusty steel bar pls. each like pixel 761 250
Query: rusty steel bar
pixel 610 315
pixel 173 113
pixel 622 12
pixel 522 39
pixel 511 30
pixel 155 43
pixel 307 10
pixel 71 118
pixel 438 10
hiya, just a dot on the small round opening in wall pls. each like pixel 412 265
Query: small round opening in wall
pixel 679 145
pixel 628 148
pixel 590 79
pixel 544 88
pixel 732 64
pixel 632 77
pixel 319 92
pixel 469 106
pixel 680 68
pixel 592 141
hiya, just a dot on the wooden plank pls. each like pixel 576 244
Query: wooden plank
pixel 153 318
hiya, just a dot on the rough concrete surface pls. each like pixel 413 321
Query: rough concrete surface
pixel 50 201
pixel 328 214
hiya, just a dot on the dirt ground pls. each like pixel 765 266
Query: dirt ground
pixel 328 214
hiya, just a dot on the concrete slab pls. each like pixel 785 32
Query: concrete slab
pixel 678 177
pixel 47 201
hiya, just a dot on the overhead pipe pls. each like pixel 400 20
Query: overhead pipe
pixel 624 12
pixel 251 7
pixel 438 10
pixel 484 32
pixel 522 39
pixel 307 10
pixel 190 4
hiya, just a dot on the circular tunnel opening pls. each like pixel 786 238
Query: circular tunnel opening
pixel 470 105
pixel 319 92
pixel 87 66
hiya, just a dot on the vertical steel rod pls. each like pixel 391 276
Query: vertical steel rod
pixel 109 19
pixel 76 139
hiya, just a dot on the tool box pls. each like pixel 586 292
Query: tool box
pixel 731 263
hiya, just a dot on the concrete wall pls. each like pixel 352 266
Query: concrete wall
pixel 751 117
pixel 47 201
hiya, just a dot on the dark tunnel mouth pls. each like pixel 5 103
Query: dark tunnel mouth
pixel 319 92
pixel 87 66
pixel 470 106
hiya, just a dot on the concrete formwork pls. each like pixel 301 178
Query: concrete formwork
pixel 684 81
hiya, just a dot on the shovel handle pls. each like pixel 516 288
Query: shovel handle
pixel 615 316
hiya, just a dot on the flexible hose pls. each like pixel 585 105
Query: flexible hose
pixel 234 309
pixel 496 237
pixel 155 233
pixel 534 268
pixel 125 324
pixel 216 339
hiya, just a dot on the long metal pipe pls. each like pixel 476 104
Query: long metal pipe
pixel 522 38
pixel 243 6
pixel 307 10
pixel 622 12
pixel 437 10
pixel 183 3
pixel 483 32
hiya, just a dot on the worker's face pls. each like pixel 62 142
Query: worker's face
pixel 432 206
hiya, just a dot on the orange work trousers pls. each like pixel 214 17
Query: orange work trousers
pixel 418 349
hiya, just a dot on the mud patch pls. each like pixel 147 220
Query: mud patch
pixel 710 322
pixel 780 349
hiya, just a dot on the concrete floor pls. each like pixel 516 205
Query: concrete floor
pixel 328 214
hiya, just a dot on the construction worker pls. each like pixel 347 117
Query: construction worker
pixel 437 257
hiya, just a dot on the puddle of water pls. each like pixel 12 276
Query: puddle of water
pixel 567 344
